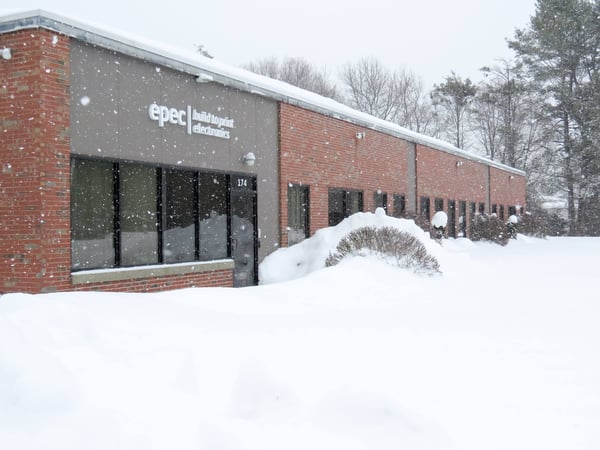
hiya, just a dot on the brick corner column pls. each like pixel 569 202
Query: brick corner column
pixel 35 153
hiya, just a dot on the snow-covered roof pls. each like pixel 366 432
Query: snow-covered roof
pixel 212 70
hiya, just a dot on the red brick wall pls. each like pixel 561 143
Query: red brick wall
pixel 35 252
pixel 35 148
pixel 450 177
pixel 447 176
pixel 217 278
pixel 323 152
pixel 507 189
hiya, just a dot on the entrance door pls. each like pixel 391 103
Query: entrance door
pixel 243 230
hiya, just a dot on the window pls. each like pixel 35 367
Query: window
pixel 138 214
pixel 495 209
pixel 473 209
pixel 180 219
pixel 212 212
pixel 501 212
pixel 425 208
pixel 451 218
pixel 343 203
pixel 126 214
pixel 512 210
pixel 354 202
pixel 462 219
pixel 298 213
pixel 399 205
pixel 92 214
pixel 481 208
pixel 439 204
pixel 380 200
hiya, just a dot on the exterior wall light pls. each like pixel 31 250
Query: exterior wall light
pixel 249 159
pixel 204 78
pixel 6 53
pixel 360 135
pixel 459 163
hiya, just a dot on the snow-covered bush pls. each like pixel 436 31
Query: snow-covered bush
pixel 439 222
pixel 391 244
pixel 489 228
pixel 422 222
pixel 511 226
pixel 541 223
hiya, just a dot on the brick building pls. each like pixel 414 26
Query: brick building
pixel 128 167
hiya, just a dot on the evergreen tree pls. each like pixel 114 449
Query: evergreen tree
pixel 560 49
pixel 454 97
pixel 510 121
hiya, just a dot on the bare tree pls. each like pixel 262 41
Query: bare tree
pixel 397 96
pixel 297 72
pixel 371 88
pixel 415 110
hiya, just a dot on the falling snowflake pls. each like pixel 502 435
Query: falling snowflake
pixel 85 100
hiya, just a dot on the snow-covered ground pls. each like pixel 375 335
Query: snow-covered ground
pixel 501 352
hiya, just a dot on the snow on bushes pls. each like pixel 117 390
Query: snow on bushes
pixel 309 255
pixel 390 244
pixel 489 228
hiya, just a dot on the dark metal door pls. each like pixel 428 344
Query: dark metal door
pixel 243 230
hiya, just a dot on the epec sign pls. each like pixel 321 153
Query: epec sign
pixel 194 121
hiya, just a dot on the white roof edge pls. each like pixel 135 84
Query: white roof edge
pixel 195 64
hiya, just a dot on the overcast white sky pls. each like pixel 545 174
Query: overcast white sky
pixel 429 37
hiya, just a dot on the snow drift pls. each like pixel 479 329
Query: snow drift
pixel 359 356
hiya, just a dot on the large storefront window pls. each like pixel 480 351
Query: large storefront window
pixel 343 203
pixel 179 235
pixel 92 214
pixel 126 214
pixel 138 211
pixel 213 209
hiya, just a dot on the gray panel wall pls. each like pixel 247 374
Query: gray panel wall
pixel 110 99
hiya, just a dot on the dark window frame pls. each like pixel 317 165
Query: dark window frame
pixel 380 200
pixel 304 190
pixel 399 203
pixel 161 207
pixel 462 212
pixel 451 218
pixel 346 210
pixel 425 208
pixel 438 204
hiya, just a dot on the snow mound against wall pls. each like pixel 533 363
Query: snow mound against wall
pixel 310 255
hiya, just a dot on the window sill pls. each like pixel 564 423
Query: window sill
pixel 133 273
